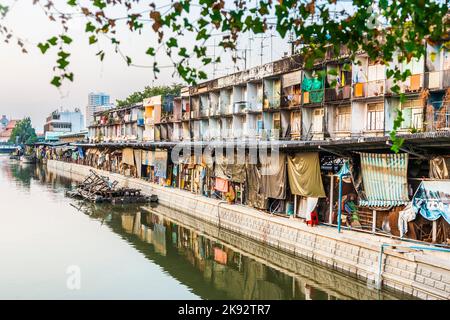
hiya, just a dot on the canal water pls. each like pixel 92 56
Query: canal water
pixel 53 247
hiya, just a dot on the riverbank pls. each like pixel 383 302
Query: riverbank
pixel 423 274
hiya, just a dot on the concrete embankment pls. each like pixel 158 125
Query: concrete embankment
pixel 424 274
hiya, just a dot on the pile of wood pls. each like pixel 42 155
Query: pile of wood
pixel 97 188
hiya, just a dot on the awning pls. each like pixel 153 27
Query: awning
pixel 273 176
pixel 384 179
pixel 304 175
pixel 432 199
pixel 128 156
pixel 160 162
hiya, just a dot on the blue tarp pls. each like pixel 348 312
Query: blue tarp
pixel 80 152
pixel 432 200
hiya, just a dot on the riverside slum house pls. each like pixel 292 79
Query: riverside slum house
pixel 326 134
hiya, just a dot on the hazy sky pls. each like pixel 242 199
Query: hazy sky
pixel 24 80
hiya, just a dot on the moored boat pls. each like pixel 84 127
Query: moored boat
pixel 27 159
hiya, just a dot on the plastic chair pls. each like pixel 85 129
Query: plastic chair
pixel 314 219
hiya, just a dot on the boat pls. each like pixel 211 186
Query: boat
pixel 14 157
pixel 27 159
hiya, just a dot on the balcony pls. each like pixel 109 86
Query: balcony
pixel 195 114
pixel 338 93
pixel 376 88
pixel 204 112
pixel 226 109
pixel 439 119
pixel 313 96
pixel 437 80
pixel 214 109
pixel 270 134
pixel 412 84
pixel 240 107
pixel 272 103
pixel 149 121
pixel 185 116
pixel 175 117
pixel 290 101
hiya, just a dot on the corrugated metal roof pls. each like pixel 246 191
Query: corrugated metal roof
pixel 384 179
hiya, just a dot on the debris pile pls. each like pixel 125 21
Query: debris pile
pixel 97 188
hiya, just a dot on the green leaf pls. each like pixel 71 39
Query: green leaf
pixel 89 27
pixel 56 81
pixel 150 51
pixel 66 39
pixel 63 54
pixel 183 53
pixel 172 43
pixel 53 41
pixel 43 47
pixel 92 39
pixel 128 60
pixel 62 63
pixel 69 76
pixel 99 4
pixel 72 3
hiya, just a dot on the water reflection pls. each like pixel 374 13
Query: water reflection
pixel 215 269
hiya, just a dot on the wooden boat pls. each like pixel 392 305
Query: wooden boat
pixel 27 159
pixel 14 157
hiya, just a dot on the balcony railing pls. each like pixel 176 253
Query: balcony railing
pixel 291 100
pixel 272 103
pixel 439 120
pixel 204 112
pixel 175 117
pixel 195 113
pixel 369 89
pixel 435 80
pixel 185 116
pixel 313 96
pixel 338 93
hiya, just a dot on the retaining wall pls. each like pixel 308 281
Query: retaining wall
pixel 423 274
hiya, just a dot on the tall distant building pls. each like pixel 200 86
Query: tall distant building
pixel 98 99
pixel 60 122
pixel 97 102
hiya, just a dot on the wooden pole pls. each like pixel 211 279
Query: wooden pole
pixel 434 234
pixel 374 220
pixel 295 206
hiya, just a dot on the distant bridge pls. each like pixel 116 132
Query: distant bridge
pixel 7 148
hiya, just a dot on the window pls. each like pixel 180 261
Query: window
pixel 343 118
pixel 375 116
pixel 413 114
pixel 276 121
pixel 317 120
pixel 296 122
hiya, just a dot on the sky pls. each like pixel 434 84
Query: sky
pixel 24 78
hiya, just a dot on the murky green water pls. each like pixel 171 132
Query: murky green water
pixel 54 247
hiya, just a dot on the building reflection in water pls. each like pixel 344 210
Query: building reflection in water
pixel 213 269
